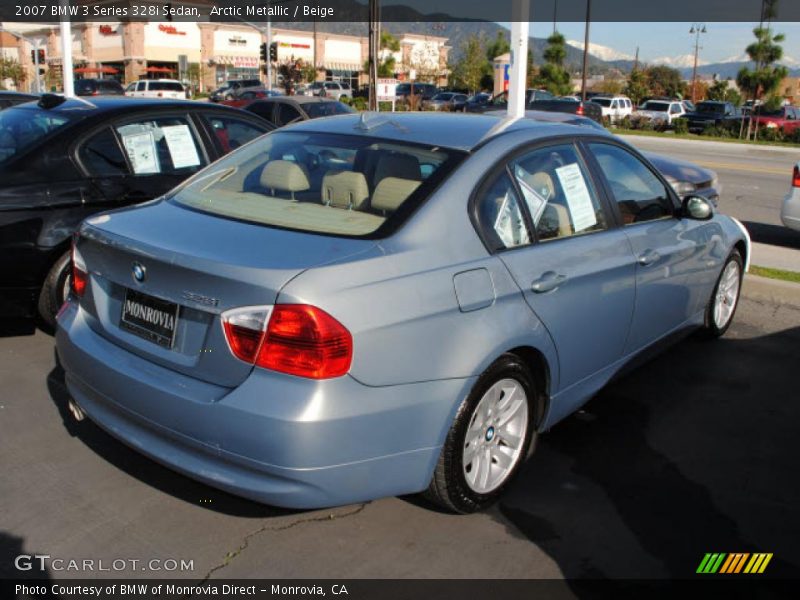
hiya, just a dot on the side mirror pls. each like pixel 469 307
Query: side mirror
pixel 697 208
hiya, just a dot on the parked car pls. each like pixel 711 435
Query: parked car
pixel 156 88
pixel 686 178
pixel 98 87
pixel 615 108
pixel 284 110
pixel 244 96
pixel 710 113
pixel 790 212
pixel 661 113
pixel 500 101
pixel 425 91
pixel 450 101
pixel 62 160
pixel 688 106
pixel 226 91
pixel 332 307
pixel 785 118
pixel 476 102
pixel 335 90
pixel 542 100
pixel 13 98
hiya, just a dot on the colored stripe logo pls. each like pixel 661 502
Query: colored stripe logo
pixel 733 563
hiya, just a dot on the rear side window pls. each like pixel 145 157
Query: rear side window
pixel 334 184
pixel 287 114
pixel 263 110
pixel 639 194
pixel 102 156
pixel 165 145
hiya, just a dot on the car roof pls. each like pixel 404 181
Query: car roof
pixel 106 104
pixel 299 99
pixel 450 130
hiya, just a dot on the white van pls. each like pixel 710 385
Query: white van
pixel 615 108
pixel 156 88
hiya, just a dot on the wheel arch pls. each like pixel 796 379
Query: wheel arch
pixel 537 362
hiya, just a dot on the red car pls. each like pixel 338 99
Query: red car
pixel 786 118
pixel 245 96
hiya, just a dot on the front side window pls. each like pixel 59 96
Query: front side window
pixel 21 128
pixel 163 145
pixel 558 193
pixel 233 133
pixel 638 193
pixel 321 183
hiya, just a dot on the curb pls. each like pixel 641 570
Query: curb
pixel 773 291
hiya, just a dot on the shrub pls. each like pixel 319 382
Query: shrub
pixel 771 134
pixel 680 126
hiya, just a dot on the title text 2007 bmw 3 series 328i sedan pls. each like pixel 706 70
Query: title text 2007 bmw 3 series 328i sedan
pixel 359 307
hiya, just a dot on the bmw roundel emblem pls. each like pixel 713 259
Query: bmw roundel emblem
pixel 139 272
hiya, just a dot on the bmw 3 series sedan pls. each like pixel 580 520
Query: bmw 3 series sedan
pixel 358 307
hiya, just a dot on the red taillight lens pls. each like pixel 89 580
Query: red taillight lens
pixel 796 176
pixel 80 276
pixel 299 340
pixel 579 112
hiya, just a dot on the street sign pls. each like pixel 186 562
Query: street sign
pixel 387 91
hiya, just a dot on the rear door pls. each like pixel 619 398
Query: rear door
pixel 672 254
pixel 546 220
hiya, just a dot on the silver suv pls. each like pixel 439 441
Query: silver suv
pixel 331 89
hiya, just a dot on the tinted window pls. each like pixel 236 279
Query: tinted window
pixel 637 191
pixel 710 107
pixel 85 87
pixel 337 184
pixel 102 156
pixel 655 106
pixel 233 133
pixel 326 109
pixel 141 86
pixel 602 102
pixel 165 86
pixel 262 109
pixel 21 128
pixel 558 193
pixel 500 217
pixel 161 145
pixel 286 114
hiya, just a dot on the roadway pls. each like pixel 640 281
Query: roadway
pixel 755 179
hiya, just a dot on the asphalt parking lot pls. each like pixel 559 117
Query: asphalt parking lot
pixel 693 452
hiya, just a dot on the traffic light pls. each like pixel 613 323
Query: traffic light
pixel 273 51
pixel 41 56
pixel 263 53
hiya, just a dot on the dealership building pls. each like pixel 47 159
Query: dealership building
pixel 129 51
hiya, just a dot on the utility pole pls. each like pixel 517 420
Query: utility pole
pixel 636 59
pixel 586 50
pixel 696 29
pixel 374 44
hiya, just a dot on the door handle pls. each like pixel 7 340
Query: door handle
pixel 648 257
pixel 548 282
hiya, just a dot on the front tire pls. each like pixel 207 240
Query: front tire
pixel 55 289
pixel 725 298
pixel 489 439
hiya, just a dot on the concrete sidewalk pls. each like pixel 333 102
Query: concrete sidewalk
pixel 776 257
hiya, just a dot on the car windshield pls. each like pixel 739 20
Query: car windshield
pixel 655 106
pixel 326 109
pixel 21 128
pixel 771 113
pixel 710 107
pixel 84 85
pixel 444 96
pixel 343 185
pixel 602 101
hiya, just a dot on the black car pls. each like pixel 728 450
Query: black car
pixel 282 110
pixel 13 98
pixel 62 160
pixel 477 102
pixel 227 90
pixel 426 91
pixel 712 114
pixel 542 100
pixel 98 87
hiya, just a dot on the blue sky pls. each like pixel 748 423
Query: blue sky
pixel 656 40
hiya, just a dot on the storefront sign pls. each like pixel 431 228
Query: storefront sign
pixel 107 30
pixel 288 45
pixel 237 41
pixel 170 30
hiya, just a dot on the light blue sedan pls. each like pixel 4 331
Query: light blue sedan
pixel 376 305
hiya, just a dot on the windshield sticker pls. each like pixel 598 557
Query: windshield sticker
pixel 578 199
pixel 181 146
pixel 141 149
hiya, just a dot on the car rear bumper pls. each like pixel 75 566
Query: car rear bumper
pixel 276 439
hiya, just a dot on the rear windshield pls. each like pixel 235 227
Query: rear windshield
pixel 655 106
pixel 326 109
pixel 83 85
pixel 344 185
pixel 21 128
pixel 165 86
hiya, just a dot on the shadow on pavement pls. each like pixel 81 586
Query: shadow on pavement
pixel 695 452
pixel 146 470
pixel 774 235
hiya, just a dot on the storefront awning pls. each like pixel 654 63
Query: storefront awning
pixel 239 62
pixel 342 66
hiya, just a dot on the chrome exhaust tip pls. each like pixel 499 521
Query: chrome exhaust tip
pixel 77 411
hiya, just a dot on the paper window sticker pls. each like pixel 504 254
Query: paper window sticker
pixel 141 149
pixel 535 201
pixel 577 196
pixel 181 146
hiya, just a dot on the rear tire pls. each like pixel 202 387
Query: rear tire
pixel 725 298
pixel 55 289
pixel 489 440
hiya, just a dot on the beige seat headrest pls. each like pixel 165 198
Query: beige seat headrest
pixel 542 184
pixel 392 192
pixel 344 189
pixel 284 175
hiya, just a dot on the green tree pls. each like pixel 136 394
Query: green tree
pixel 665 81
pixel 498 46
pixel 637 87
pixel 472 65
pixel 11 69
pixel 553 76
pixel 387 66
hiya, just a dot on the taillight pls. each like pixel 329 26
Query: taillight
pixel 297 339
pixel 80 275
pixel 579 112
pixel 796 177
pixel 160 94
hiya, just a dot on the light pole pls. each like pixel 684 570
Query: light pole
pixel 585 70
pixel 696 30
